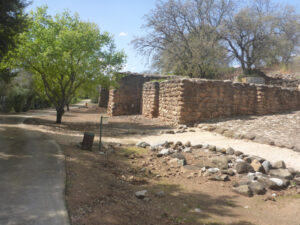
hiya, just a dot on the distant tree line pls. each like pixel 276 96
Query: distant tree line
pixel 202 38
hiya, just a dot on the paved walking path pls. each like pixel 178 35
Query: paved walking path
pixel 32 177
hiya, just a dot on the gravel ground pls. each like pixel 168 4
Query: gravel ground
pixel 282 130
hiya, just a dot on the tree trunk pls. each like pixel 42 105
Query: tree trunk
pixel 68 108
pixel 59 113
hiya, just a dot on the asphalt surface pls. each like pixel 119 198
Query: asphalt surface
pixel 32 177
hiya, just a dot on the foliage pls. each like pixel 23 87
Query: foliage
pixel 183 39
pixel 199 38
pixel 65 54
pixel 12 22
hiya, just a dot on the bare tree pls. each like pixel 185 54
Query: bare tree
pixel 182 36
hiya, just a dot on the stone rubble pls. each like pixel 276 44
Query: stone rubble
pixel 256 175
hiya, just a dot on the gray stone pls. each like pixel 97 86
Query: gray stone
pixel 266 182
pixel 230 151
pixel 142 144
pixel 219 178
pixel 267 166
pixel 243 167
pixel 243 190
pixel 182 126
pixel 141 194
pixel 282 173
pixel 238 153
pixel 170 132
pixel 164 152
pixel 213 170
pixel 229 172
pixel 178 156
pixel 279 165
pixel 181 162
pixel 160 143
pixel 221 162
pixel 257 188
pixel 187 168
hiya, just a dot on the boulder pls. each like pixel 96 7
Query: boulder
pixel 257 188
pixel 279 183
pixel 221 162
pixel 282 173
pixel 187 150
pixel 267 166
pixel 266 182
pixel 279 165
pixel 243 167
pixel 230 151
pixel 197 146
pixel 243 190
pixel 257 166
pixel 219 178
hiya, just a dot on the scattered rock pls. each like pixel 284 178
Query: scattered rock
pixel 159 144
pixel 219 178
pixel 267 166
pixel 197 210
pixel 257 166
pixel 238 153
pixel 229 172
pixel 221 162
pixel 279 165
pixel 243 167
pixel 142 144
pixel 205 146
pixel 282 173
pixel 141 194
pixel 243 190
pixel 230 151
pixel 197 146
pixel 164 152
pixel 213 170
pixel 257 188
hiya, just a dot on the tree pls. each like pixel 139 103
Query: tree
pixel 182 37
pixel 63 53
pixel 261 34
pixel 13 21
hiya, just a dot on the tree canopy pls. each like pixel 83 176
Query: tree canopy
pixel 64 53
pixel 200 37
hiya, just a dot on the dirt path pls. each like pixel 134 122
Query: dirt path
pixel 32 175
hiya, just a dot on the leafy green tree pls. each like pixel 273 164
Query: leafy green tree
pixel 64 53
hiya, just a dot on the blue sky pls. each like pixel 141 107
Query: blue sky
pixel 122 18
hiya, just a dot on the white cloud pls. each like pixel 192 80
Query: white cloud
pixel 123 34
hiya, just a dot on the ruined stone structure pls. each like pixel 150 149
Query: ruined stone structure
pixel 186 101
pixel 150 99
pixel 127 98
pixel 191 100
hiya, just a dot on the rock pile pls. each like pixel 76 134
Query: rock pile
pixel 253 175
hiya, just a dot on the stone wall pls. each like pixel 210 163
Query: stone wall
pixel 150 99
pixel 192 100
pixel 127 98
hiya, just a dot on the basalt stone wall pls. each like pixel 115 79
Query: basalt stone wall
pixel 127 98
pixel 150 99
pixel 192 100
pixel 103 98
